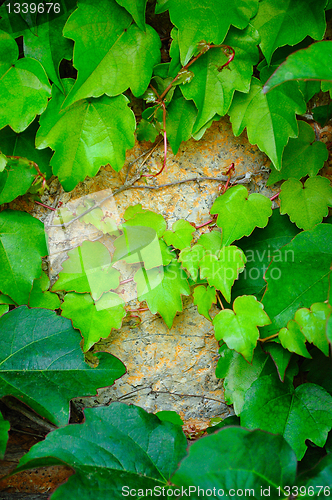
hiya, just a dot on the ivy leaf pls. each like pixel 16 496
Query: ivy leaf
pixel 305 64
pixel 190 258
pixel 297 414
pixel 16 179
pixel 319 370
pixel 212 242
pixel 102 222
pixel 238 328
pixel 95 320
pixel 292 338
pixel 4 299
pixel 302 156
pixel 234 457
pixel 119 449
pixel 23 145
pixel 181 235
pixel 260 113
pixel 123 54
pixel 28 78
pixel 212 90
pixel 4 429
pixel 326 86
pixel 259 248
pixel 40 297
pixel 138 244
pixel 169 416
pixel 41 355
pixel 209 20
pixel 136 9
pixel 3 309
pixel 162 289
pixel 299 277
pixel 239 213
pixel 137 216
pixel 180 119
pixel 146 131
pixel 281 358
pixel 313 324
pixel 306 204
pixel 3 162
pixel 288 23
pixel 18 269
pixel 87 135
pixel 238 374
pixel 317 477
pixel 204 297
pixel 222 271
pixel 47 45
pixel 88 269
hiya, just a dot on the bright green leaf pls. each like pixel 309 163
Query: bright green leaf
pixel 239 213
pixel 95 320
pixel 288 22
pixel 22 245
pixel 238 374
pixel 89 134
pixel 4 428
pixel 110 54
pixel 211 241
pixel 3 162
pixel 235 458
pixel 3 309
pixel 40 297
pixel 292 338
pixel 4 299
pixel 302 156
pixel 306 204
pixel 180 119
pixel 209 20
pixel 88 269
pixel 221 271
pixel 118 446
pixel 305 64
pixel 139 244
pixel 16 179
pixel 266 125
pixel 40 356
pixel 190 258
pixel 162 289
pixel 181 235
pixel 297 414
pixel 23 145
pixel 136 9
pixel 327 86
pixel 145 218
pixel 169 416
pixel 212 90
pixel 299 276
pixel 32 89
pixel 204 297
pixel 101 221
pixel 313 324
pixel 238 328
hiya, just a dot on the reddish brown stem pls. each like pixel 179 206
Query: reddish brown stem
pixel 165 144
pixel 126 281
pixel 274 196
pixel 46 206
pixel 206 223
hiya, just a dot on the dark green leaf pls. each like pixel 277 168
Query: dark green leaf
pixel 302 156
pixel 317 481
pixel 27 76
pixel 235 458
pixel 298 277
pixel 4 428
pixel 180 119
pixel 232 420
pixel 281 357
pixel 169 416
pixel 322 114
pixel 40 356
pixel 18 269
pixel 123 54
pixel 89 134
pixel 146 131
pixel 288 22
pixel 40 297
pixel 297 414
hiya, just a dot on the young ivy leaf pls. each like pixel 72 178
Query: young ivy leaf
pixel 204 297
pixel 297 414
pixel 181 235
pixel 299 276
pixel 302 156
pixel 162 289
pixel 18 269
pixel 139 244
pixel 190 258
pixel 306 204
pixel 287 23
pixel 114 450
pixel 212 242
pixel 292 338
pixel 239 213
pixel 95 320
pixel 213 17
pixel 40 355
pixel 313 324
pixel 40 297
pixel 74 133
pixel 238 328
pixel 222 271
pixel 145 218
pixel 180 119
pixel 97 218
pixel 88 269
pixel 32 89
pixel 123 54
pixel 260 113
pixel 212 90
